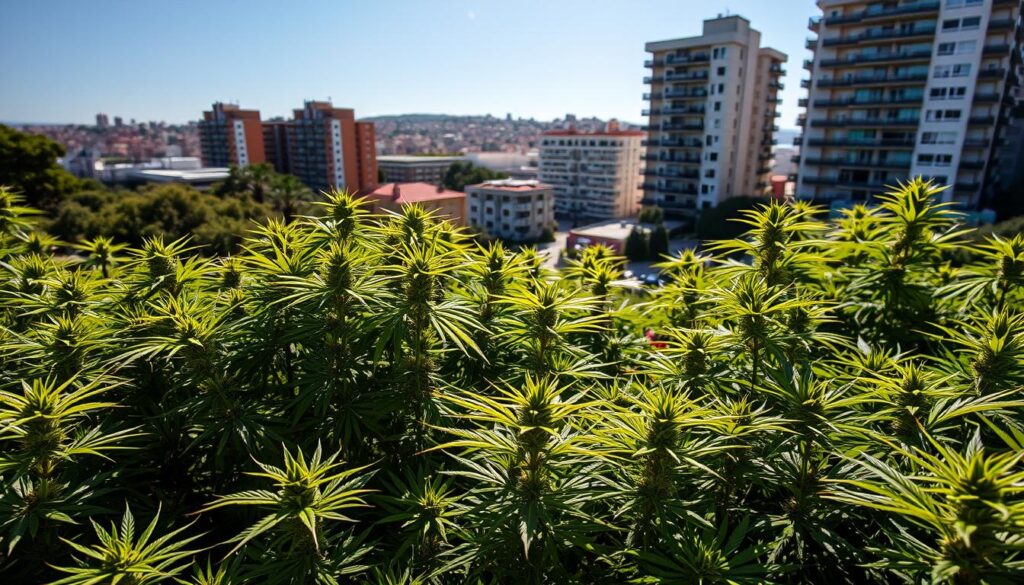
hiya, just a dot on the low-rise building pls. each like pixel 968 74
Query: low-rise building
pixel 448 205
pixel 415 169
pixel 611 233
pixel 511 209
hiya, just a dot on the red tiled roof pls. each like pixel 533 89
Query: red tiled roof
pixel 413 193
pixel 574 132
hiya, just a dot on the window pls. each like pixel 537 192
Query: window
pixel 717 123
pixel 946 49
pixel 942 115
pixel 935 160
pixel 938 137
pixel 952 93
pixel 704 189
pixel 962 70
pixel 962 3
pixel 970 23
pixel 714 53
pixel 721 70
pixel 712 156
pixel 943 160
pixel 966 47
pixel 951 24
pixel 709 174
pixel 721 88
pixel 942 71
pixel 718 106
pixel 926 159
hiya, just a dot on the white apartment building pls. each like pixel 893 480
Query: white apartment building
pixel 907 88
pixel 713 104
pixel 510 209
pixel 595 175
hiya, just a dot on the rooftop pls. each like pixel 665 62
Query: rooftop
pixel 511 185
pixel 575 132
pixel 413 192
pixel 615 229
pixel 410 159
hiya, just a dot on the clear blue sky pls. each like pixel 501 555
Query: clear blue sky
pixel 66 60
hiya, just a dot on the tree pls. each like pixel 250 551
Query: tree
pixel 462 173
pixel 28 165
pixel 651 214
pixel 636 244
pixel 288 196
pixel 658 245
pixel 719 222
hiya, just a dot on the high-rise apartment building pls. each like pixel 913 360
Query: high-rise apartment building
pixel 230 136
pixel 102 120
pixel 415 169
pixel 511 209
pixel 594 174
pixel 903 88
pixel 275 144
pixel 713 104
pixel 327 148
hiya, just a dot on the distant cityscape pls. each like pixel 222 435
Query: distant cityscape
pixel 897 89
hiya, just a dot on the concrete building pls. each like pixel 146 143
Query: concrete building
pixel 102 120
pixel 906 88
pixel 230 136
pixel 713 104
pixel 415 169
pixel 327 148
pixel 448 205
pixel 595 175
pixel 510 209
pixel 275 144
pixel 611 233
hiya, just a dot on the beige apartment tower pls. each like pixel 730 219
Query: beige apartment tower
pixel 901 89
pixel 595 175
pixel 712 115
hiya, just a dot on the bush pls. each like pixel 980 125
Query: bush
pixel 719 223
pixel 636 247
pixel 651 214
pixel 658 245
pixel 364 399
pixel 462 173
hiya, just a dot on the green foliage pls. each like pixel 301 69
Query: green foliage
pixel 652 215
pixel 462 173
pixel 658 242
pixel 28 165
pixel 718 223
pixel 353 398
pixel 636 247
pixel 173 211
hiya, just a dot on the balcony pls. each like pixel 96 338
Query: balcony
pixel 683 59
pixel 669 143
pixel 894 56
pixel 972 187
pixel 675 111
pixel 976 143
pixel 678 78
pixel 879 121
pixel 992 73
pixel 681 94
pixel 1002 49
pixel 880 35
pixel 813 22
pixel 864 142
pixel 802 102
pixel 673 174
pixel 982 120
pixel 776 84
pixel 972 165
pixel 1001 24
pixel 873 80
pixel 694 127
pixel 811 44
pixel 987 98
pixel 877 13
pixel 672 160
pixel 845 103
pixel 676 189
pixel 853 164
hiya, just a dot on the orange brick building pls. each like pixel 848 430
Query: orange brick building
pixel 327 148
pixel 230 136
pixel 449 205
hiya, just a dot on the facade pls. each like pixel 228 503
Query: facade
pixel 275 145
pixel 713 104
pixel 327 149
pixel 415 169
pixel 905 89
pixel 448 205
pixel 230 136
pixel 511 209
pixel 102 120
pixel 595 175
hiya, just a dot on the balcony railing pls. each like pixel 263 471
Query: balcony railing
pixel 1001 23
pixel 674 189
pixel 982 120
pixel 1001 49
pixel 976 143
pixel 847 102
pixel 993 73
pixel 880 35
pixel 696 127
pixel 669 143
pixel 967 187
pixel 880 121
pixel 987 98
pixel 671 160
pixel 672 174
pixel 873 13
pixel 863 142
pixel 677 77
pixel 972 165
pixel 693 58
pixel 878 58
pixel 675 111
pixel 872 79
pixel 839 162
